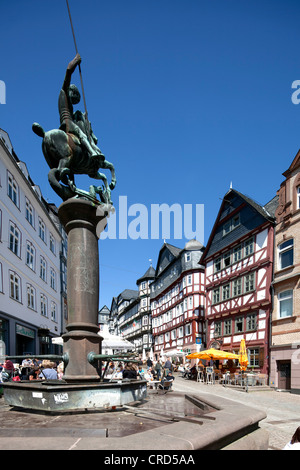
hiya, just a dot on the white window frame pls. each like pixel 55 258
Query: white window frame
pixel 29 212
pixel 30 255
pixel 14 286
pixel 14 242
pixel 42 230
pixel 30 297
pixel 12 189
pixel 283 248
pixel 283 297
pixel 43 305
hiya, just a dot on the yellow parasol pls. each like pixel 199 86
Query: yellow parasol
pixel 212 353
pixel 243 356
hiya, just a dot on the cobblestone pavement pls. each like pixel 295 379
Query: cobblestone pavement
pixel 282 408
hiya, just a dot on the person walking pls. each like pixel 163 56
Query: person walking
pixel 157 369
pixel 149 363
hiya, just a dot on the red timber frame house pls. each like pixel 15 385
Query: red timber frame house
pixel 178 300
pixel 238 262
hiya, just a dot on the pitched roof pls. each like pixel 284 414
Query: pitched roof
pixel 267 212
pixel 149 274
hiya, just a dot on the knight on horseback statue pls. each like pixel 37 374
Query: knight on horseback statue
pixel 72 149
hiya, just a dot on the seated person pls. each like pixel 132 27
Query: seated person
pixel 34 373
pixel 166 379
pixel 141 372
pixel 47 371
pixel 148 375
pixel 129 371
pixel 192 373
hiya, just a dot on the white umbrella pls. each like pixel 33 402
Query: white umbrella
pixel 151 354
pixel 174 352
pixel 109 342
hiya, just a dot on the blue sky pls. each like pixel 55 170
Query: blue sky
pixel 185 97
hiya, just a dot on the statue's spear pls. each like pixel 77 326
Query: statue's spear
pixel 80 74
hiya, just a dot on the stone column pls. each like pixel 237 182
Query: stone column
pixel 80 219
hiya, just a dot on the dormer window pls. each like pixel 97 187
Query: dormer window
pixel 231 224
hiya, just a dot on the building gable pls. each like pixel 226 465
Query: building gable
pixel 167 255
pixel 238 216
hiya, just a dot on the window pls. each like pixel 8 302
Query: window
pixel 237 287
pixel 14 239
pixel 52 244
pixel 30 255
pixel 253 357
pixel 231 224
pixel 218 329
pixel 145 339
pixel 188 329
pixel 29 214
pixel 239 325
pixel 13 190
pixel 298 197
pixel 227 327
pixel 53 311
pixel 226 260
pixel 180 332
pixel 30 297
pixel 249 282
pixel 188 257
pixel 251 322
pixel 285 303
pixel 226 292
pixel 52 279
pixel 189 279
pixel 43 269
pixel 216 296
pixel 43 305
pixel 15 286
pixel 42 230
pixel 217 264
pixel 286 254
pixel 249 247
pixel 237 254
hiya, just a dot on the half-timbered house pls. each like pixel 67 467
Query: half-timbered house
pixel 238 262
pixel 177 300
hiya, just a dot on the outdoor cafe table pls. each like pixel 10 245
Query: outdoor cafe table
pixel 152 383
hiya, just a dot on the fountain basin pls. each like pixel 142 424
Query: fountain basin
pixel 59 396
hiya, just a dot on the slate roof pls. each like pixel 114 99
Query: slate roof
pixel 253 215
pixel 149 274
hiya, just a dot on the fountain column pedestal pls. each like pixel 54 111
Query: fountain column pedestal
pixel 80 220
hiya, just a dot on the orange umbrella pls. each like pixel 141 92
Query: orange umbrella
pixel 243 356
pixel 212 354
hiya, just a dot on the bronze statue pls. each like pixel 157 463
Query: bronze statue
pixel 72 149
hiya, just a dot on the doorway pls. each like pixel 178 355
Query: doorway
pixel 284 375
